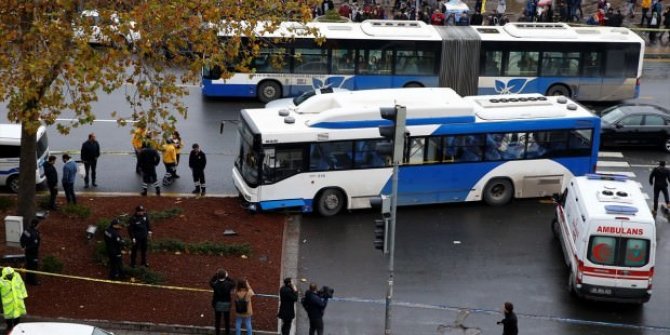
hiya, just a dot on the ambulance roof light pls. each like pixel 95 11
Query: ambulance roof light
pixel 621 209
pixel 610 177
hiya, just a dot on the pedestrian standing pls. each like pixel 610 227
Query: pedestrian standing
pixel 243 294
pixel 13 292
pixel 149 159
pixel 178 144
pixel 509 322
pixel 659 178
pixel 645 5
pixel 197 162
pixel 655 20
pixel 69 175
pixel 170 158
pixel 114 245
pixel 666 24
pixel 30 242
pixel 52 181
pixel 90 151
pixel 631 8
pixel 315 304
pixel 139 231
pixel 288 295
pixel 137 142
pixel 222 287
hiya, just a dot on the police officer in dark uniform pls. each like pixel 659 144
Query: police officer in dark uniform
pixel 197 162
pixel 148 160
pixel 30 241
pixel 140 232
pixel 659 177
pixel 52 180
pixel 114 244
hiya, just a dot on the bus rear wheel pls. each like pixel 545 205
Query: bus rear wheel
pixel 268 91
pixel 13 183
pixel 559 90
pixel 498 192
pixel 330 202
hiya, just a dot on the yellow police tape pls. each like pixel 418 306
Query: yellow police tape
pixel 176 288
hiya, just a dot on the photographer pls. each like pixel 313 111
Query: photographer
pixel 288 295
pixel 509 322
pixel 315 303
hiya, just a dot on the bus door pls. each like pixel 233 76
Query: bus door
pixel 591 82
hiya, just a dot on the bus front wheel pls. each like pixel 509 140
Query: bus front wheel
pixel 498 192
pixel 330 202
pixel 559 90
pixel 13 183
pixel 268 91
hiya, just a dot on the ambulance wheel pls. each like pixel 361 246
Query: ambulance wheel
pixel 330 202
pixel 498 192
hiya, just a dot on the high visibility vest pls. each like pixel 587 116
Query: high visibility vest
pixel 169 154
pixel 13 292
pixel 138 137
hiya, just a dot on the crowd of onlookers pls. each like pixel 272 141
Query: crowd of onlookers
pixel 453 13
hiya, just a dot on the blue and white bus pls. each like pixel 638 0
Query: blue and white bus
pixel 322 155
pixel 583 63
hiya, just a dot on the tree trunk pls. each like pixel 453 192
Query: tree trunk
pixel 27 177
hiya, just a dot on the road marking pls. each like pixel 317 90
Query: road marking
pixel 644 165
pixel 609 154
pixel 103 120
pixel 612 164
pixel 163 194
pixel 623 173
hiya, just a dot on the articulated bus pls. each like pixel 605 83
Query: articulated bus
pixel 323 154
pixel 583 63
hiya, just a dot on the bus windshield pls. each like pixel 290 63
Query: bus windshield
pixel 42 145
pixel 247 161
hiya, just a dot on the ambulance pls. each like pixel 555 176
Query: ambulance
pixel 608 237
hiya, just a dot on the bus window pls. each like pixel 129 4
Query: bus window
pixel 271 61
pixel 522 63
pixel 378 62
pixel 330 156
pixel 311 61
pixel 545 144
pixel 505 146
pixel 490 65
pixel 343 61
pixel 433 148
pixel 463 148
pixel 367 156
pixel 282 164
pixel 415 62
pixel 362 61
pixel 615 66
pixel 591 64
pixel 560 64
pixel 416 148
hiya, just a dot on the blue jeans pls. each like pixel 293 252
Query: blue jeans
pixel 238 323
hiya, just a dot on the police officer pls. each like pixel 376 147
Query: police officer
pixel 140 232
pixel 659 177
pixel 114 244
pixel 52 181
pixel 30 241
pixel 197 162
pixel 148 160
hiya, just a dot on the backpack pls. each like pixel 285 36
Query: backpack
pixel 241 305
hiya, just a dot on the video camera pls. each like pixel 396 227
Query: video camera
pixel 326 292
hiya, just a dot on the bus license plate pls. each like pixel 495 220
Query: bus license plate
pixel 601 291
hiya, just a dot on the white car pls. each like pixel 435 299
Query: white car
pixel 56 328
pixel 92 19
pixel 296 101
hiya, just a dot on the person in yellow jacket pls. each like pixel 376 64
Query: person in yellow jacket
pixel 170 157
pixel 137 140
pixel 13 291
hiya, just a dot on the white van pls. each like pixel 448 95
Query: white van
pixel 608 237
pixel 10 151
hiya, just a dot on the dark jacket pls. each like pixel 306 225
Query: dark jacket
pixel 222 289
pixel 90 151
pixel 149 159
pixel 287 299
pixel 510 324
pixel 51 174
pixel 30 240
pixel 113 242
pixel 314 305
pixel 659 177
pixel 139 227
pixel 197 160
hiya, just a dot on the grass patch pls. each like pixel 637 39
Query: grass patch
pixel 52 264
pixel 204 248
pixel 76 211
pixel 6 203
pixel 144 275
pixel 166 214
pixel 100 253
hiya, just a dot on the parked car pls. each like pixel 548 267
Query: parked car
pixel 56 328
pixel 296 101
pixel 94 30
pixel 635 125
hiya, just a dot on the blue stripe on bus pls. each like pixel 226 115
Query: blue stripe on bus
pixel 522 125
pixel 410 122
pixel 286 203
pixel 10 171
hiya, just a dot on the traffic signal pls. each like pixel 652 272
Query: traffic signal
pixel 382 203
pixel 394 133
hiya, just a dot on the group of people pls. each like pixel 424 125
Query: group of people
pixel 148 158
pixel 139 231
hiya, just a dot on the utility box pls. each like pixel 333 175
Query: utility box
pixel 13 229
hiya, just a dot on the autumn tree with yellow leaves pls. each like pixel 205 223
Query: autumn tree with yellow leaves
pixel 48 65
